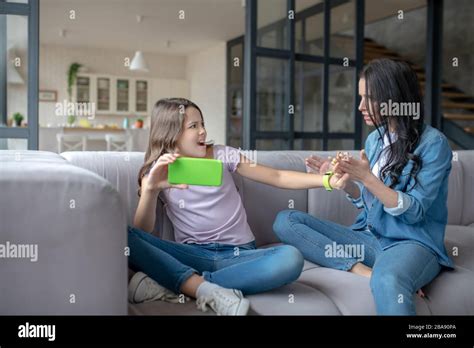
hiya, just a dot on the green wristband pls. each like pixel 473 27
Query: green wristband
pixel 326 178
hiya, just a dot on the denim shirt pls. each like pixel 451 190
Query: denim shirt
pixel 422 214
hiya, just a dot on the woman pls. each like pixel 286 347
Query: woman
pixel 400 182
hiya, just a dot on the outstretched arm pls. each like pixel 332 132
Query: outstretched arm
pixel 286 179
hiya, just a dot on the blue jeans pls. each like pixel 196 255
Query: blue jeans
pixel 241 267
pixel 398 272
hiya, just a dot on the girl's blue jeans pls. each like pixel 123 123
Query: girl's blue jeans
pixel 398 272
pixel 241 267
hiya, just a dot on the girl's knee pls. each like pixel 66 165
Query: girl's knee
pixel 290 261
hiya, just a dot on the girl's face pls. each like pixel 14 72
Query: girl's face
pixel 365 100
pixel 193 137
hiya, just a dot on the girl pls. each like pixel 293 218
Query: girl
pixel 214 258
pixel 402 185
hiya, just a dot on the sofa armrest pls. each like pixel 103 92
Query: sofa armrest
pixel 77 224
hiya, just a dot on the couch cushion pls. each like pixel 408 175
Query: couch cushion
pixel 351 293
pixel 30 156
pixel 466 158
pixel 455 193
pixel 166 308
pixel 451 293
pixel 263 202
pixel 341 288
pixel 459 241
pixel 292 299
pixel 119 168
pixel 75 218
pixel 296 298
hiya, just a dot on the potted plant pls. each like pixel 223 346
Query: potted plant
pixel 139 123
pixel 71 77
pixel 71 80
pixel 71 119
pixel 17 118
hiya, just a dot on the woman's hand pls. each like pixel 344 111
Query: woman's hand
pixel 318 164
pixel 339 181
pixel 358 170
pixel 157 178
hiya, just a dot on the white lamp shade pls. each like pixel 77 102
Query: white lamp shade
pixel 138 62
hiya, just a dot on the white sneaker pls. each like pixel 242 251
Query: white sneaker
pixel 225 302
pixel 144 289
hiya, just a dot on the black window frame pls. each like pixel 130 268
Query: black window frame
pixel 31 11
pixel 252 51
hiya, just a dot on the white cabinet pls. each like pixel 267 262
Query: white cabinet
pixel 114 95
pixel 104 88
pixel 141 95
pixel 83 89
pixel 126 96
pixel 122 88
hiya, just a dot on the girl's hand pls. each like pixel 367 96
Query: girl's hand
pixel 157 178
pixel 318 164
pixel 339 181
pixel 358 170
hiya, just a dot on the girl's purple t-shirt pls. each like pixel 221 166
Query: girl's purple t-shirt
pixel 209 214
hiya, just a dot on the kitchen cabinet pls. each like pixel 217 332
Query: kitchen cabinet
pixel 113 95
pixel 126 96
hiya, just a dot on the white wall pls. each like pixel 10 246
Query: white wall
pixel 200 77
pixel 206 73
pixel 55 62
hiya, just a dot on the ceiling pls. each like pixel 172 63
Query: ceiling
pixel 113 24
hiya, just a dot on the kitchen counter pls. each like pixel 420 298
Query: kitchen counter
pixel 96 137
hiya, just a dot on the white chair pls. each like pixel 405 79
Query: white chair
pixel 119 142
pixel 71 142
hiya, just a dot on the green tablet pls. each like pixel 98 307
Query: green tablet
pixel 195 171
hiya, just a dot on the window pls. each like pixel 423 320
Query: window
pixel 19 75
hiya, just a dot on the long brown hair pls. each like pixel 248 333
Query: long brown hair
pixel 167 119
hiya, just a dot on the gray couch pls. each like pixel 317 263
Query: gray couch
pixel 82 249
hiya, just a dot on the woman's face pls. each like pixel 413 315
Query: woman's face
pixel 193 137
pixel 365 100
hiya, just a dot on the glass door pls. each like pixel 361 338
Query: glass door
pixel 103 94
pixel 19 75
pixel 123 95
pixel 83 93
pixel 302 59
pixel 141 97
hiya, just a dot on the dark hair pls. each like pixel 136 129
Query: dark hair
pixel 387 80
